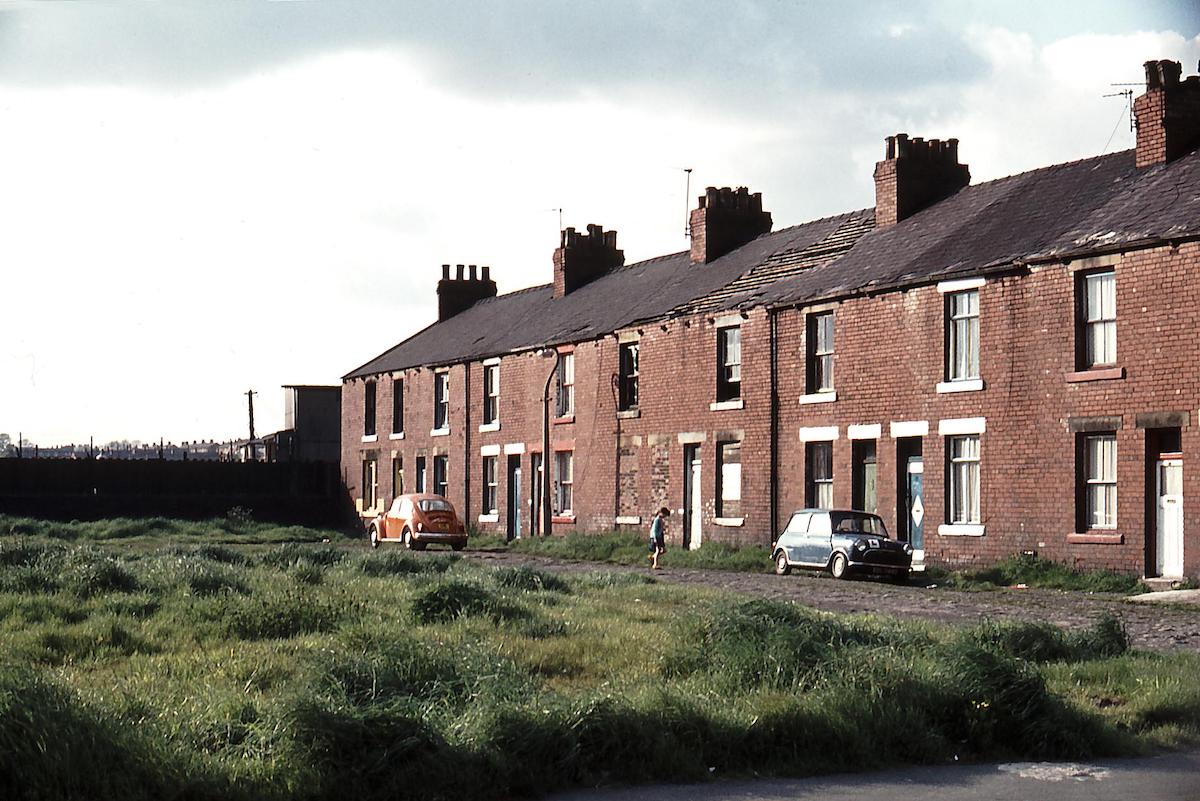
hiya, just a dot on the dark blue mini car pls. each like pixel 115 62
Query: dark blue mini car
pixel 842 542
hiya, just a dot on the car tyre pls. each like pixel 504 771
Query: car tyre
pixel 838 565
pixel 373 535
pixel 458 546
pixel 782 568
pixel 408 542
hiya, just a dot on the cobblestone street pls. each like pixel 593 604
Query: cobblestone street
pixel 1151 626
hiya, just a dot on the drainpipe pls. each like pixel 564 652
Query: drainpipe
pixel 774 468
pixel 467 442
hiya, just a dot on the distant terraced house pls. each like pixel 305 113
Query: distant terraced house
pixel 994 368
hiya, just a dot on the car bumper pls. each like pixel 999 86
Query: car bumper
pixel 879 569
pixel 445 538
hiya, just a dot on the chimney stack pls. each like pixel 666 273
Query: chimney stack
pixel 582 258
pixel 1167 115
pixel 725 220
pixel 459 294
pixel 914 175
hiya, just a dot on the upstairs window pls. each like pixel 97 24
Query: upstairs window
pixel 818 464
pixel 563 482
pixel 729 363
pixel 820 353
pixel 1100 480
pixel 1098 319
pixel 398 406
pixel 962 335
pixel 441 401
pixel 369 409
pixel 565 385
pixel 491 393
pixel 627 388
pixel 441 469
pixel 964 479
pixel 489 486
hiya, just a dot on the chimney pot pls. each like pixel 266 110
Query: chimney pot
pixel 582 258
pixel 1167 115
pixel 917 174
pixel 725 220
pixel 487 272
pixel 445 272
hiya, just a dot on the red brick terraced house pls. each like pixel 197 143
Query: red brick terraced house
pixel 993 368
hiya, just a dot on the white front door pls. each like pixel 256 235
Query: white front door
pixel 694 517
pixel 1170 518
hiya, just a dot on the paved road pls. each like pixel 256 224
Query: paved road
pixel 1172 777
pixel 1151 626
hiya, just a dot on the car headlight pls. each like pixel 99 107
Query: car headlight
pixel 908 547
pixel 860 546
pixel 420 527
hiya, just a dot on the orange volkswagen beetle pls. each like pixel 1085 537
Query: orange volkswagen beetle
pixel 417 520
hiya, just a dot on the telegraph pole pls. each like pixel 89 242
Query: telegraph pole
pixel 250 401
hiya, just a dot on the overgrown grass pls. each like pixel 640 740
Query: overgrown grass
pixel 203 669
pixel 236 528
pixel 1040 573
pixel 623 548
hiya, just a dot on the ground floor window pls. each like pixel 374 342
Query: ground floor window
pixel 864 475
pixel 1100 480
pixel 441 467
pixel 729 479
pixel 563 481
pixel 370 482
pixel 818 472
pixel 489 486
pixel 964 479
pixel 397 475
pixel 420 474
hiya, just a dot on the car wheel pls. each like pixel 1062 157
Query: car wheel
pixel 373 533
pixel 782 568
pixel 408 543
pixel 458 546
pixel 837 566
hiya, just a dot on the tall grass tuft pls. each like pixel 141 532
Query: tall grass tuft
pixel 529 579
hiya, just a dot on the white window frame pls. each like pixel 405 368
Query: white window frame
pixel 629 400
pixel 370 480
pixel 1100 484
pixel 564 485
pixel 963 481
pixel 1099 318
pixel 444 484
pixel 397 406
pixel 821 353
pixel 729 363
pixel 441 400
pixel 491 495
pixel 729 479
pixel 962 336
pixel 491 394
pixel 564 398
pixel 821 488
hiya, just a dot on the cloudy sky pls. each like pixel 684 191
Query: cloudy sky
pixel 198 198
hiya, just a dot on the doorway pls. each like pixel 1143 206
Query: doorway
pixel 535 494
pixel 910 495
pixel 1169 515
pixel 692 498
pixel 514 497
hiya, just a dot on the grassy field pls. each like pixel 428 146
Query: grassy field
pixel 190 668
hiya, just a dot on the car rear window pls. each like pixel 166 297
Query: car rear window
pixel 434 505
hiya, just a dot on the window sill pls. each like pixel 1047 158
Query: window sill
pixel 961 530
pixel 724 406
pixel 1095 537
pixel 818 397
pixel 562 519
pixel 489 518
pixel 440 432
pixel 1096 374
pixel 565 419
pixel 370 438
pixel 489 427
pixel 731 522
pixel 629 414
pixel 628 520
pixel 398 435
pixel 963 385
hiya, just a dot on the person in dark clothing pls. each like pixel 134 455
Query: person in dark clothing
pixel 658 537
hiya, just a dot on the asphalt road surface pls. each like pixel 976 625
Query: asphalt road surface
pixel 1171 777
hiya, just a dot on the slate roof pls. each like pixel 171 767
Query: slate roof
pixel 1064 210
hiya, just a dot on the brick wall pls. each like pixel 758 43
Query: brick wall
pixel 889 359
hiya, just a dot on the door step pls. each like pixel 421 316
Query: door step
pixel 1162 584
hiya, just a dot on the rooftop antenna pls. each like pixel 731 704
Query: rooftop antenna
pixel 687 203
pixel 560 211
pixel 1128 95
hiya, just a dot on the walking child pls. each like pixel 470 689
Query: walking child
pixel 658 537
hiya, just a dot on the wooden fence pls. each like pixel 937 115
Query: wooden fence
pixel 308 493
